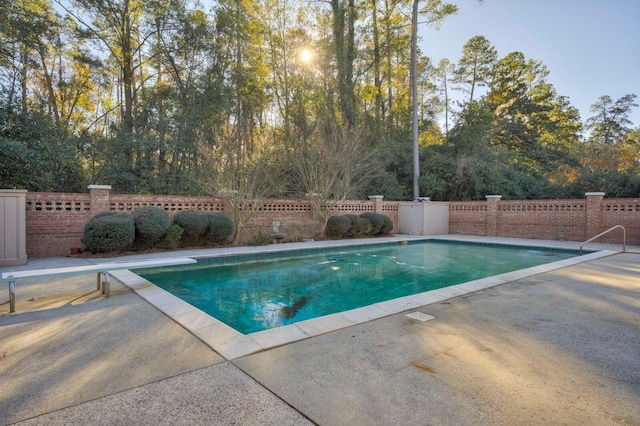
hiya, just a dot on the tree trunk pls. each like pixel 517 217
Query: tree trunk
pixel 376 62
pixel 344 18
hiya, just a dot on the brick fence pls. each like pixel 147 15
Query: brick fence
pixel 55 221
pixel 571 220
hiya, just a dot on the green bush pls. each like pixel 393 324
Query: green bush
pixel 194 222
pixel 173 236
pixel 109 232
pixel 220 228
pixel 259 239
pixel 387 227
pixel 151 224
pixel 359 226
pixel 367 225
pixel 337 227
pixel 377 222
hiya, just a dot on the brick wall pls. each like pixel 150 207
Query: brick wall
pixel 620 211
pixel 468 217
pixel 55 221
pixel 545 219
pixel 572 220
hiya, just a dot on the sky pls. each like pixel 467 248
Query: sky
pixel 590 47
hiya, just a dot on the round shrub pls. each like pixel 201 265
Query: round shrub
pixel 220 228
pixel 109 232
pixel 151 223
pixel 337 226
pixel 173 236
pixel 359 226
pixel 194 223
pixel 367 225
pixel 377 221
pixel 387 227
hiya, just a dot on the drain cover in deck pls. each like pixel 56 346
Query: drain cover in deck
pixel 420 316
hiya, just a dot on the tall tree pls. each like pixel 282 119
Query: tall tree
pixel 28 34
pixel 240 38
pixel 476 65
pixel 610 121
pixel 532 122
pixel 434 11
pixel 291 59
pixel 344 14
pixel 518 91
pixel 611 149
pixel 443 75
pixel 184 99
pixel 478 165
pixel 116 25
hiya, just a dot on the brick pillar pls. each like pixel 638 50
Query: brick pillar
pixel 492 214
pixel 377 199
pixel 594 199
pixel 99 198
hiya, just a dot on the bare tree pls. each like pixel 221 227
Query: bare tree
pixel 333 167
pixel 243 181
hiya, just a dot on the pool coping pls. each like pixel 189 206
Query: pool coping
pixel 231 344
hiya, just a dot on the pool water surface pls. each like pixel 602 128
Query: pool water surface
pixel 258 293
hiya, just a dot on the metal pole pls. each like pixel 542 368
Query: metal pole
pixel 12 297
pixel 107 285
pixel 414 99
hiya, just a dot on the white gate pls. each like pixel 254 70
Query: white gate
pixel 423 218
pixel 13 227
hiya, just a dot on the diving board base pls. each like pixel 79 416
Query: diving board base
pixel 102 271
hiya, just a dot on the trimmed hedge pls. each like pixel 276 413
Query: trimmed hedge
pixel 367 224
pixel 377 222
pixel 194 222
pixel 173 236
pixel 387 227
pixel 220 228
pixel 337 226
pixel 109 232
pixel 359 226
pixel 152 223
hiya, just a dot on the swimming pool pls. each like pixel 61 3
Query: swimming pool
pixel 260 292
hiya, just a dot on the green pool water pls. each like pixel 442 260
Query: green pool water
pixel 258 293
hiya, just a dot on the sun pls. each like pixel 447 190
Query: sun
pixel 306 55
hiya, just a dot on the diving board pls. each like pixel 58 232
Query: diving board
pixel 101 269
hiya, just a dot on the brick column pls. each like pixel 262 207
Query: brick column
pixel 99 198
pixel 377 199
pixel 594 200
pixel 492 214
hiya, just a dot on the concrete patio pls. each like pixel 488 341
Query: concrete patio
pixel 558 347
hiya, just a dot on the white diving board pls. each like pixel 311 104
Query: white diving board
pixel 100 269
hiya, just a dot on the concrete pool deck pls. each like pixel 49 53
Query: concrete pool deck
pixel 557 346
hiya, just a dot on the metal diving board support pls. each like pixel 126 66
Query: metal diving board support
pixel 102 270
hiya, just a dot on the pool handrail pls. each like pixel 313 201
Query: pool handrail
pixel 624 237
